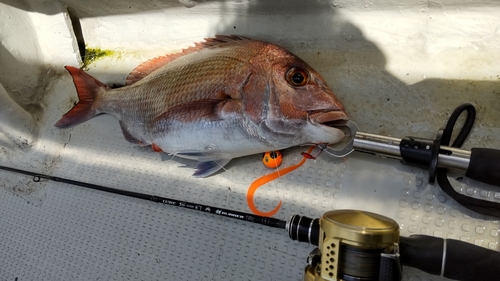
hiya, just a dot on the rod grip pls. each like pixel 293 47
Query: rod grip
pixel 463 261
pixel 484 165
pixel 422 252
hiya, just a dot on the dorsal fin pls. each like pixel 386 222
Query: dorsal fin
pixel 151 65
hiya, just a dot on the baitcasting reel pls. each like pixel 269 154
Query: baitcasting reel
pixel 362 246
pixel 354 245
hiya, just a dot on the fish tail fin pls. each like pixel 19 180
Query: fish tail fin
pixel 87 88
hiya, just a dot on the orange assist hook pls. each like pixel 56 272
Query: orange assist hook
pixel 268 178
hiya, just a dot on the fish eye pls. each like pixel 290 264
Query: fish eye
pixel 297 76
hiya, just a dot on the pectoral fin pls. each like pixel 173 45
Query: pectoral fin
pixel 207 168
pixel 192 111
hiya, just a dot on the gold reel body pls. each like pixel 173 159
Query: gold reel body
pixel 352 246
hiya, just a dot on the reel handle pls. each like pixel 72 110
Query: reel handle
pixel 483 165
pixel 453 259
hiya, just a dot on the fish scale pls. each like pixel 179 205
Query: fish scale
pixel 226 97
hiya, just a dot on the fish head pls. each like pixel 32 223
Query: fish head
pixel 299 99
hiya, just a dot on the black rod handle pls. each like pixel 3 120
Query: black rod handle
pixel 461 260
pixel 484 165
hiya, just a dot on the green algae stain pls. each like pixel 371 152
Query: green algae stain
pixel 93 54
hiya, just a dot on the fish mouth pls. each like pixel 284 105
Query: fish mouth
pixel 328 118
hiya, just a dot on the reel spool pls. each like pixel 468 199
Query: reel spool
pixel 355 246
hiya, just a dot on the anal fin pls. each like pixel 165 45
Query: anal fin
pixel 128 136
pixel 207 168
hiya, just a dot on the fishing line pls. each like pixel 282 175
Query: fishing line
pixel 222 167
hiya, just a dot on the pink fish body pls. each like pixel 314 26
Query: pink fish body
pixel 224 98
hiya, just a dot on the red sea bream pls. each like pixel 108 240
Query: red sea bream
pixel 226 97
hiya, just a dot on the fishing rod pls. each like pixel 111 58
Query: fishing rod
pixel 272 222
pixel 436 156
pixel 351 245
